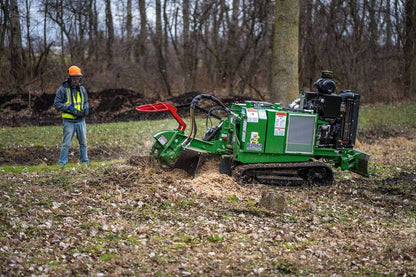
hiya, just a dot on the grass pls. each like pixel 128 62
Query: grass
pixel 123 134
pixel 387 116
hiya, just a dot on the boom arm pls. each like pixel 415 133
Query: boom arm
pixel 163 107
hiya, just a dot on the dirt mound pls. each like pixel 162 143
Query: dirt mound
pixel 113 100
pixel 106 106
pixel 111 105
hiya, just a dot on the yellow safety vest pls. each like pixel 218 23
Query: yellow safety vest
pixel 78 103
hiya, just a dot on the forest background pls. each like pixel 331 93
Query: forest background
pixel 165 48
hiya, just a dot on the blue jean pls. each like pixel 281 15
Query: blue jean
pixel 70 128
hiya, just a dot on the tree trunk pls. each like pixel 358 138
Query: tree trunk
pixel 5 9
pixel 45 48
pixel 129 30
pixel 410 49
pixel 165 31
pixel 61 26
pixel 388 25
pixel 16 49
pixel 110 32
pixel 143 28
pixel 159 51
pixel 91 34
pixel 186 44
pixel 307 54
pixel 30 53
pixel 285 52
pixel 231 58
pixel 79 42
pixel 269 66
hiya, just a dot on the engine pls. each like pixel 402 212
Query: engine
pixel 338 110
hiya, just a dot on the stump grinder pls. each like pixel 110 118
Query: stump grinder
pixel 261 142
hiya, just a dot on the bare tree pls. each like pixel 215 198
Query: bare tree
pixel 188 45
pixel 3 30
pixel 158 40
pixel 17 58
pixel 129 30
pixel 231 55
pixel 410 48
pixel 389 27
pixel 165 30
pixel 30 53
pixel 307 55
pixel 285 52
pixel 92 31
pixel 110 32
pixel 143 29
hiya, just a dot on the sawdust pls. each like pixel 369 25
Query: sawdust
pixel 221 185
pixel 210 183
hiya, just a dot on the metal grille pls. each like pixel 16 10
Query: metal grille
pixel 301 133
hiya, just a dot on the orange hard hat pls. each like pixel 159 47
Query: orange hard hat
pixel 74 71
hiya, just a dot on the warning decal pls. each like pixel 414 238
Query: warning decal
pixel 243 135
pixel 162 140
pixel 262 114
pixel 254 138
pixel 280 124
pixel 252 115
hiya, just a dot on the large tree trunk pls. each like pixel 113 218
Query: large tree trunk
pixel 285 83
pixel 410 49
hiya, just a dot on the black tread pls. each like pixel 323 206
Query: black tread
pixel 309 173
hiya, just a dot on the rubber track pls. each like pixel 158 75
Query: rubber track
pixel 309 173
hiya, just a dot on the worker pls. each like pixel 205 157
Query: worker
pixel 72 100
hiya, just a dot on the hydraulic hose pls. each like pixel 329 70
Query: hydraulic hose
pixel 192 106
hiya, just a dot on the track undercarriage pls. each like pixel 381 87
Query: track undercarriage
pixel 311 173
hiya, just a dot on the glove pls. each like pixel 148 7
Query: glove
pixel 79 114
pixel 72 109
pixel 87 111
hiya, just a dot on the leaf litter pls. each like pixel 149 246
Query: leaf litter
pixel 134 218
